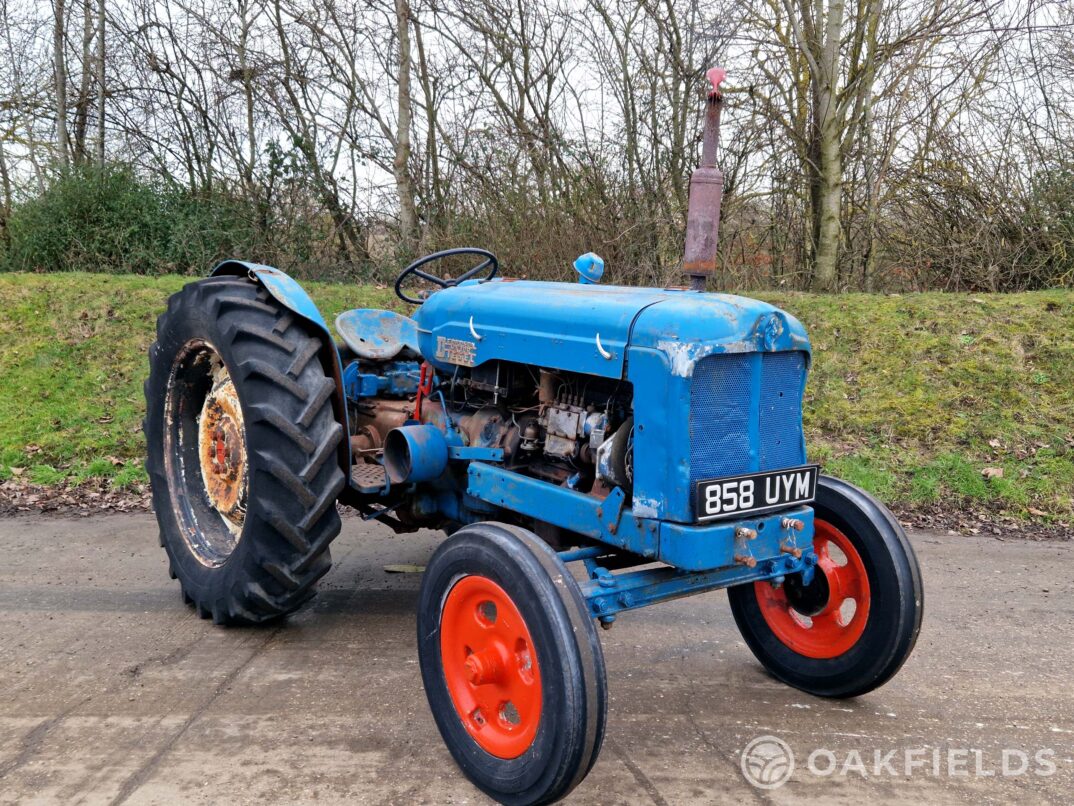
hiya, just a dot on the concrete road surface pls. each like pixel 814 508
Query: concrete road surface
pixel 112 691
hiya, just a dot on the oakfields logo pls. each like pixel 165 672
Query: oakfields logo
pixel 768 762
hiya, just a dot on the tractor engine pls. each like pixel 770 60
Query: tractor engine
pixel 563 427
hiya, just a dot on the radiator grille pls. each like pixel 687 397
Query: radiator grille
pixel 780 422
pixel 725 402
pixel 720 416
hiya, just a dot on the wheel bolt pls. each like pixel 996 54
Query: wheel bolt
pixel 792 523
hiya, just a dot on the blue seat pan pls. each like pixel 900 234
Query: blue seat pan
pixel 377 335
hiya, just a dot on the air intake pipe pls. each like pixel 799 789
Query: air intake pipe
pixel 414 453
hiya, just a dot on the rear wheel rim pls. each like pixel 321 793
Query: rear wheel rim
pixel 823 627
pixel 222 450
pixel 206 458
pixel 490 667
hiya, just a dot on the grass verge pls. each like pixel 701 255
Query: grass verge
pixel 923 399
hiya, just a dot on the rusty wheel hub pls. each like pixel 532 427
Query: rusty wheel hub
pixel 222 450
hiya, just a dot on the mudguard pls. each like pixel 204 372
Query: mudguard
pixel 286 291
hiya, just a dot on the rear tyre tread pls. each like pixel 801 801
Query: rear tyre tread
pixel 325 503
pixel 283 575
pixel 303 358
pixel 247 304
pixel 322 398
pixel 254 367
pixel 262 413
pixel 265 335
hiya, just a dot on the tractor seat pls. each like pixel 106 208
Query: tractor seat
pixel 377 335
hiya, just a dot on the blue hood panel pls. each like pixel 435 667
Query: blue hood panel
pixel 557 325
pixel 688 327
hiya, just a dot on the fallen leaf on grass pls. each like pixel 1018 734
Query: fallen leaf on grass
pixel 992 472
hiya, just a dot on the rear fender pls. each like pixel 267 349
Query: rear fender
pixel 286 291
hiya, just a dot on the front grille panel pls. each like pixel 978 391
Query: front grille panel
pixel 720 416
pixel 780 422
pixel 727 406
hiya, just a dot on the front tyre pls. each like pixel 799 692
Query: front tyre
pixel 851 629
pixel 511 662
pixel 241 444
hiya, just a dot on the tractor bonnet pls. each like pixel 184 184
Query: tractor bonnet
pixel 589 328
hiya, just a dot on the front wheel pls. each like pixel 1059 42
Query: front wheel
pixel 511 663
pixel 854 625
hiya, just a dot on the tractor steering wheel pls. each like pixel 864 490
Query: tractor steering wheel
pixel 446 282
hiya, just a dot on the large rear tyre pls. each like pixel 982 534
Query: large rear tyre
pixel 850 630
pixel 511 662
pixel 242 446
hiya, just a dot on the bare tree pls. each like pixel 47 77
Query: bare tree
pixel 408 214
pixel 101 86
pixel 60 69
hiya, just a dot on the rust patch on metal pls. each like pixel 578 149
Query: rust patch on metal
pixel 222 450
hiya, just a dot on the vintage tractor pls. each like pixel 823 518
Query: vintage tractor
pixel 588 449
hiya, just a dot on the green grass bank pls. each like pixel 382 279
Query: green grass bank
pixel 919 398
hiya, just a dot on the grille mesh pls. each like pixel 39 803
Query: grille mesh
pixel 720 417
pixel 782 382
pixel 722 407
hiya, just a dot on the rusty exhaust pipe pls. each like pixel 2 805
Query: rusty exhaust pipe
pixel 706 192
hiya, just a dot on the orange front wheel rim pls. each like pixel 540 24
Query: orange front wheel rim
pixel 490 667
pixel 828 618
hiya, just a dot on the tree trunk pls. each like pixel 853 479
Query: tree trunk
pixel 60 71
pixel 830 196
pixel 829 153
pixel 100 83
pixel 5 203
pixel 246 76
pixel 408 215
pixel 434 187
pixel 872 203
pixel 85 85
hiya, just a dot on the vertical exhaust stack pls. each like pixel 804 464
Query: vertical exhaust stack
pixel 706 191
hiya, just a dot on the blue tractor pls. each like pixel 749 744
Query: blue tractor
pixel 588 449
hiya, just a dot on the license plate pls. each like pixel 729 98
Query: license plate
pixel 755 492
